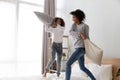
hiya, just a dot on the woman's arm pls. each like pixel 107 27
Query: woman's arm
pixel 85 35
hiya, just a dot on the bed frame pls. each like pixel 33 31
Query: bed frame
pixel 115 64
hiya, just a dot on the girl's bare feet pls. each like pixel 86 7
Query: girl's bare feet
pixel 44 74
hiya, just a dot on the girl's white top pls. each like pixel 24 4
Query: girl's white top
pixel 57 33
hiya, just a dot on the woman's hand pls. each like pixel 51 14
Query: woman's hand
pixel 82 35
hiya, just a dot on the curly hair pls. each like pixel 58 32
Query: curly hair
pixel 79 14
pixel 55 20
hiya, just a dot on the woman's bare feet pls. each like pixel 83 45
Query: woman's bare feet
pixel 44 74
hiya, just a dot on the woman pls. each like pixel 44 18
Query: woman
pixel 79 31
pixel 57 30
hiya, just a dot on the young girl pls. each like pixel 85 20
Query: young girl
pixel 79 32
pixel 57 30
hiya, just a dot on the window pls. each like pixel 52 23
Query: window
pixel 21 36
pixel 40 2
pixel 29 40
pixel 7 39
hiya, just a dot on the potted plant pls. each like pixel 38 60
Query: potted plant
pixel 118 73
pixel 63 62
pixel 63 56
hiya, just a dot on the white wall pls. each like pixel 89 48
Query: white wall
pixel 103 17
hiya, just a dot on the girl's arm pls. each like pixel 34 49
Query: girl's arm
pixel 48 28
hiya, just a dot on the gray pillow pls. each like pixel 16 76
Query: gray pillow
pixel 46 19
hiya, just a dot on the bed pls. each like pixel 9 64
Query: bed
pixel 106 71
pixel 109 68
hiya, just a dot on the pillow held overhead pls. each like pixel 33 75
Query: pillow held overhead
pixel 46 19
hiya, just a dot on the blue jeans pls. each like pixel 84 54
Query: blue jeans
pixel 77 55
pixel 56 49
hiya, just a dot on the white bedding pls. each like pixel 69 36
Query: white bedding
pixel 103 72
pixel 62 77
pixel 49 77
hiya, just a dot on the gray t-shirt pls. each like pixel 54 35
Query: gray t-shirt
pixel 75 33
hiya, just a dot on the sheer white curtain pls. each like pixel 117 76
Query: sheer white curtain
pixel 7 39
pixel 21 36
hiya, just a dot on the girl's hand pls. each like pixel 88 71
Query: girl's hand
pixel 82 35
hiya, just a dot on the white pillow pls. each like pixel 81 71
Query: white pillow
pixel 76 71
pixel 103 72
pixel 93 52
pixel 106 72
pixel 95 70
pixel 46 19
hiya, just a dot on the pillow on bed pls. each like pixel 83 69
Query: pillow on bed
pixel 103 72
pixel 76 71
pixel 106 72
pixel 95 70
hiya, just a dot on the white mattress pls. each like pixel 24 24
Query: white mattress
pixel 62 77
pixel 103 72
pixel 49 77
